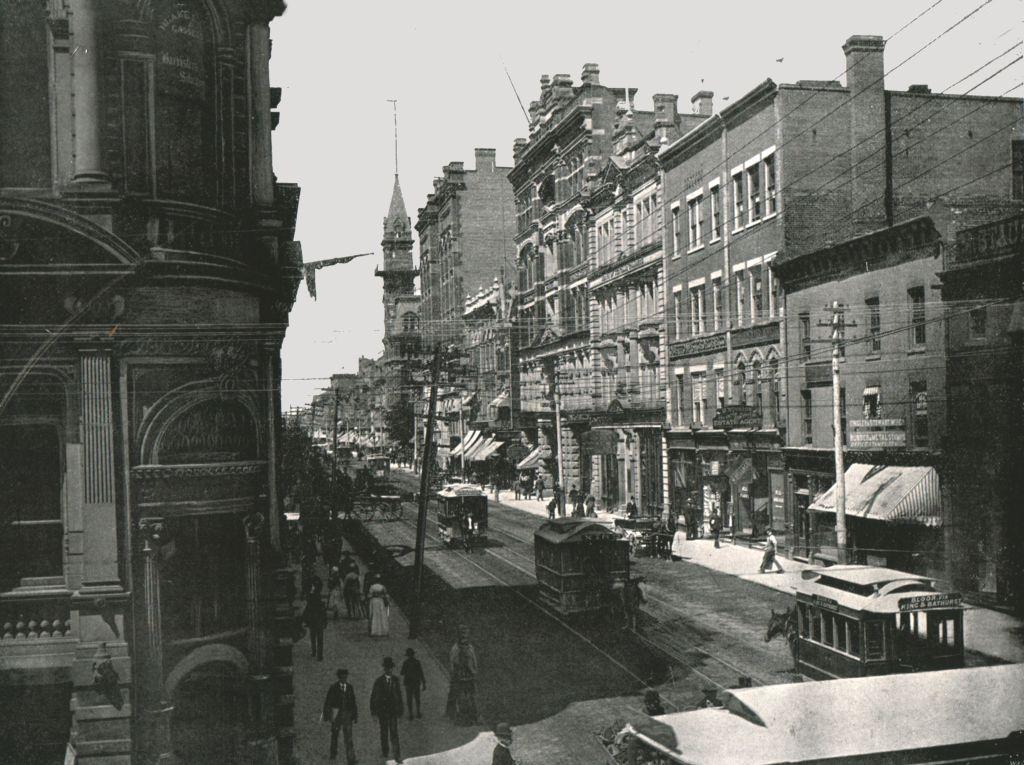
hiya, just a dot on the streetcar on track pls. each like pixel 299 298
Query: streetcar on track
pixel 461 511
pixel 947 716
pixel 580 565
pixel 856 620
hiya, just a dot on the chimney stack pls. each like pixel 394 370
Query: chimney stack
pixel 865 71
pixel 484 159
pixel 545 89
pixel 561 86
pixel 591 75
pixel 666 109
pixel 701 102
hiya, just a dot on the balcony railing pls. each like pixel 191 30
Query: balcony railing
pixel 35 617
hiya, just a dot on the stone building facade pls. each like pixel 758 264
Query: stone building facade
pixel 148 264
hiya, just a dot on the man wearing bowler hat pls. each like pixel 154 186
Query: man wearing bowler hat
pixel 340 711
pixel 386 706
pixel 503 749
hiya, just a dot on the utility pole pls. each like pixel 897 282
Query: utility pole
pixel 421 519
pixel 334 460
pixel 837 431
pixel 558 439
pixel 462 433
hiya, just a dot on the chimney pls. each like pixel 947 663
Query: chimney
pixel 666 109
pixel 518 145
pixel 869 180
pixel 919 89
pixel 561 86
pixel 545 88
pixel 591 75
pixel 484 159
pixel 701 102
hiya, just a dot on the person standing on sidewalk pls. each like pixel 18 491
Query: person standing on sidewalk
pixel 412 677
pixel 503 749
pixel 540 488
pixel 716 526
pixel 386 705
pixel 461 705
pixel 770 548
pixel 380 610
pixel 340 711
pixel 315 618
pixel 558 495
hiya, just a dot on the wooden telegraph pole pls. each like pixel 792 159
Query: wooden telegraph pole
pixel 334 460
pixel 421 519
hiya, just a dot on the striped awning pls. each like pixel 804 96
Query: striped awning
pixel 487 450
pixel 888 493
pixel 473 449
pixel 466 443
pixel 533 459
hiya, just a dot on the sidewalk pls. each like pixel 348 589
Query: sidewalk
pixel 347 644
pixel 986 631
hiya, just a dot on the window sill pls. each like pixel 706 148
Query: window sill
pixel 714 239
pixel 692 250
pixel 770 216
pixel 752 223
pixel 917 351
pixel 873 357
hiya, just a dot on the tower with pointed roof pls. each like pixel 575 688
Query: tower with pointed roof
pixel 401 304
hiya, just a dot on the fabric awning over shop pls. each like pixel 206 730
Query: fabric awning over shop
pixel 474 448
pixel 533 459
pixel 487 450
pixel 888 493
pixel 467 443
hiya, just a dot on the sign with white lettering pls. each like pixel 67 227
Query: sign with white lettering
pixel 936 600
pixel 878 433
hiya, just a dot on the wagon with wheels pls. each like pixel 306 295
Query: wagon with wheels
pixel 387 507
pixel 461 515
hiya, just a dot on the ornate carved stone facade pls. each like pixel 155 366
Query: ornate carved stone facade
pixel 148 263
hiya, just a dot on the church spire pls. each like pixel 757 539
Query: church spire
pixel 397 221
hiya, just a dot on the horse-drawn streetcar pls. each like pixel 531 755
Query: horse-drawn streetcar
pixel 580 565
pixel 852 621
pixel 461 515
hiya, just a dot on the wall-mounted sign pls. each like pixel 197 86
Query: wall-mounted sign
pixel 989 241
pixel 737 416
pixel 823 602
pixel 878 433
pixel 938 600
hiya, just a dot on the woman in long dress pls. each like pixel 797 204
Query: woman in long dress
pixel 380 610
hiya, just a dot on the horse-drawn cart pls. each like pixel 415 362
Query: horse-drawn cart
pixel 386 507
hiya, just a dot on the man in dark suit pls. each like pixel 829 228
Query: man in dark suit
pixel 386 706
pixel 340 711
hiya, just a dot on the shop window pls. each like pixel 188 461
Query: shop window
pixel 918 334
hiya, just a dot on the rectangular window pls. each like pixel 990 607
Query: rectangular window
pixel 874 324
pixel 756 295
pixel 871 403
pixel 771 202
pixel 697 310
pixel 853 635
pixel 754 193
pixel 694 213
pixel 803 625
pixel 716 300
pixel 716 212
pixel 741 296
pixel 677 309
pixel 917 326
pixel 919 412
pixel 700 402
pixel 978 319
pixel 804 321
pixel 874 640
pixel 841 625
pixel 829 636
pixel 677 234
pixel 808 413
pixel 720 388
pixel 815 617
pixel 738 201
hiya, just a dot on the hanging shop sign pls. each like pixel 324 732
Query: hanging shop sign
pixel 878 433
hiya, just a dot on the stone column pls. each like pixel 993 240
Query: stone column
pixel 85 67
pixel 262 748
pixel 157 708
pixel 260 126
pixel 99 545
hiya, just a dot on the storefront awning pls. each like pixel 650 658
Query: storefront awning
pixel 474 448
pixel 487 450
pixel 888 493
pixel 533 459
pixel 467 443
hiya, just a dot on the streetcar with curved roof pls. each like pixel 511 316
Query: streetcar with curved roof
pixel 461 511
pixel 579 563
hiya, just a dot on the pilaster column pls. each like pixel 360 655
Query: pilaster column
pixel 157 708
pixel 99 515
pixel 259 84
pixel 262 748
pixel 85 67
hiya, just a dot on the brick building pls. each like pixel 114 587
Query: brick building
pixel 784 172
pixel 465 231
pixel 571 133
pixel 625 281
pixel 148 264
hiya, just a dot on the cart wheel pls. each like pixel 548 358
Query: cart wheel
pixel 392 511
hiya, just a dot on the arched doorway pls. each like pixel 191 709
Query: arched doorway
pixel 210 715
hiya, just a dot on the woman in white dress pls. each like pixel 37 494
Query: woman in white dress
pixel 679 539
pixel 380 610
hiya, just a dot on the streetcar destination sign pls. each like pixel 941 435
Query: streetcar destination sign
pixel 938 600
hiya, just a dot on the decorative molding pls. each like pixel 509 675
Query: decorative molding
pixel 163 472
pixel 60 216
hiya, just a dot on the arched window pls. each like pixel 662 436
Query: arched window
pixel 757 397
pixel 24 95
pixel 740 393
pixel 184 101
pixel 774 394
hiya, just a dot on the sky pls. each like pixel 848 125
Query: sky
pixel 445 62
